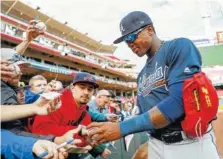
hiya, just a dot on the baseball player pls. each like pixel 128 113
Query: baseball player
pixel 162 96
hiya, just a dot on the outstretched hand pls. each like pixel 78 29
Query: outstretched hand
pixel 45 106
pixel 104 132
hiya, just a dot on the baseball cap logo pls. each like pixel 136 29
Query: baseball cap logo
pixel 141 22
pixel 122 28
pixel 89 78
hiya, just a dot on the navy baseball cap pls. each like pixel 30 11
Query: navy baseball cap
pixel 132 22
pixel 82 77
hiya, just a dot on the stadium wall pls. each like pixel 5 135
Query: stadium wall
pixel 212 55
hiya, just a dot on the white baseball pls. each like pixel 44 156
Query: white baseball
pixel 41 26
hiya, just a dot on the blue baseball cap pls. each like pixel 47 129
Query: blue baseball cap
pixel 132 22
pixel 82 77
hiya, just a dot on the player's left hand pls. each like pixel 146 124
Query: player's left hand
pixel 104 132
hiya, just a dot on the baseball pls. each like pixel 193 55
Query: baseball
pixel 41 26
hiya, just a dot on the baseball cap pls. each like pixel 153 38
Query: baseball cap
pixel 132 22
pixel 103 92
pixel 11 55
pixel 82 77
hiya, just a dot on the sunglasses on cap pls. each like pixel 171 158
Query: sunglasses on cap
pixel 130 38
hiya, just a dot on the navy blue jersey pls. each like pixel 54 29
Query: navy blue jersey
pixel 174 62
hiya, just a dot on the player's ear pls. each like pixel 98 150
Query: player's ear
pixel 149 30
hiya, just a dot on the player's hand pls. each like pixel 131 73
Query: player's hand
pixel 33 32
pixel 44 106
pixel 106 153
pixel 42 145
pixel 104 132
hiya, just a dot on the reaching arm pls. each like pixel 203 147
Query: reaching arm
pixel 95 116
pixel 40 107
pixel 31 34
pixel 13 112
pixel 13 146
pixel 21 48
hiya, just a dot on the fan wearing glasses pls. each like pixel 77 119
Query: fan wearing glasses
pixel 159 93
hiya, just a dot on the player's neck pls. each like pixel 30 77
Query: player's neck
pixel 155 46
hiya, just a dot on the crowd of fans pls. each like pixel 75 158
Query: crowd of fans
pixel 38 117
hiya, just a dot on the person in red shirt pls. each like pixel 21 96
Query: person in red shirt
pixel 73 109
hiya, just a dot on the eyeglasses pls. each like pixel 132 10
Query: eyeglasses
pixel 133 36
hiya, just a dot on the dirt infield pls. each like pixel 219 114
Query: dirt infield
pixel 142 152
